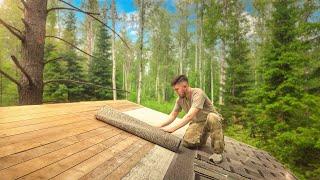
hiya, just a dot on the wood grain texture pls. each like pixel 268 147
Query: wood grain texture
pixel 56 140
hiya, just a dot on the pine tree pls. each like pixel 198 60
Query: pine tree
pixel 238 70
pixel 53 70
pixel 286 114
pixel 100 69
pixel 53 92
pixel 73 69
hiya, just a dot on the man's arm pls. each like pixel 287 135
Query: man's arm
pixel 185 120
pixel 173 115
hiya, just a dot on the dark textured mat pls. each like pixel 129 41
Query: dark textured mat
pixel 138 128
pixel 240 161
pixel 181 166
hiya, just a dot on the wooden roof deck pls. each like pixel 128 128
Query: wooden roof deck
pixel 66 141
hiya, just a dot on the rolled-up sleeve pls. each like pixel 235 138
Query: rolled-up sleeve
pixel 177 106
pixel 198 99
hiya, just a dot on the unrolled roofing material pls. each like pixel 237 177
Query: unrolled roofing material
pixel 138 128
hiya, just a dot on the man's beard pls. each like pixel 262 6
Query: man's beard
pixel 183 95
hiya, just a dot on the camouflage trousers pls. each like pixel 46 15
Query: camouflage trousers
pixel 198 132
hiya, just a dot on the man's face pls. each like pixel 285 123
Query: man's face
pixel 181 89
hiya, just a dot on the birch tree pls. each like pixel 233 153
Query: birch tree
pixel 90 26
pixel 141 37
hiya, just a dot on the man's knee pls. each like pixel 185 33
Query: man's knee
pixel 214 121
pixel 190 144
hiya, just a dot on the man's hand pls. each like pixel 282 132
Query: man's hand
pixel 167 129
pixel 168 121
pixel 158 126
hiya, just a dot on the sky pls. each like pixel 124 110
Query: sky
pixel 129 7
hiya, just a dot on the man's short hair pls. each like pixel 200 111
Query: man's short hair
pixel 178 79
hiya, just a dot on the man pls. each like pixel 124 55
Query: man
pixel 204 119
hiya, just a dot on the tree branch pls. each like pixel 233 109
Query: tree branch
pixel 79 82
pixel 14 28
pixel 11 29
pixel 71 9
pixel 24 4
pixel 54 59
pixel 10 78
pixel 16 62
pixel 22 9
pixel 71 45
pixel 26 25
pixel 97 19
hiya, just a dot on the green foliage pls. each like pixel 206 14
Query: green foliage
pixel 238 73
pixel 53 92
pixel 72 62
pixel 100 69
pixel 283 113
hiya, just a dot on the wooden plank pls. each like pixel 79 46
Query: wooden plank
pixel 107 167
pixel 52 107
pixel 26 108
pixel 13 116
pixel 53 157
pixel 87 166
pixel 42 140
pixel 125 168
pixel 75 159
pixel 23 156
pixel 20 114
pixel 82 121
pixel 40 120
pixel 59 121
pixel 32 145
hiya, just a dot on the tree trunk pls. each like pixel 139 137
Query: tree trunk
pixel 0 86
pixel 196 46
pixel 181 58
pixel 114 86
pixel 211 74
pixel 222 72
pixel 123 75
pixel 202 71
pixel 140 50
pixel 90 39
pixel 158 82
pixel 32 52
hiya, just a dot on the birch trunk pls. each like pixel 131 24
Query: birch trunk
pixel 181 57
pixel 141 14
pixel 196 46
pixel 222 72
pixel 90 39
pixel 114 86
pixel 211 75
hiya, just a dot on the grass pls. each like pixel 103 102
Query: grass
pixel 164 107
pixel 238 132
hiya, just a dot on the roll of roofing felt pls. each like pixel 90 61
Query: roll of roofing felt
pixel 138 128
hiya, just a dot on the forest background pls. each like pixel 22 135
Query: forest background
pixel 258 61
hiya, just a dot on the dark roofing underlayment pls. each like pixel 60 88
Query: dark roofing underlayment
pixel 240 161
